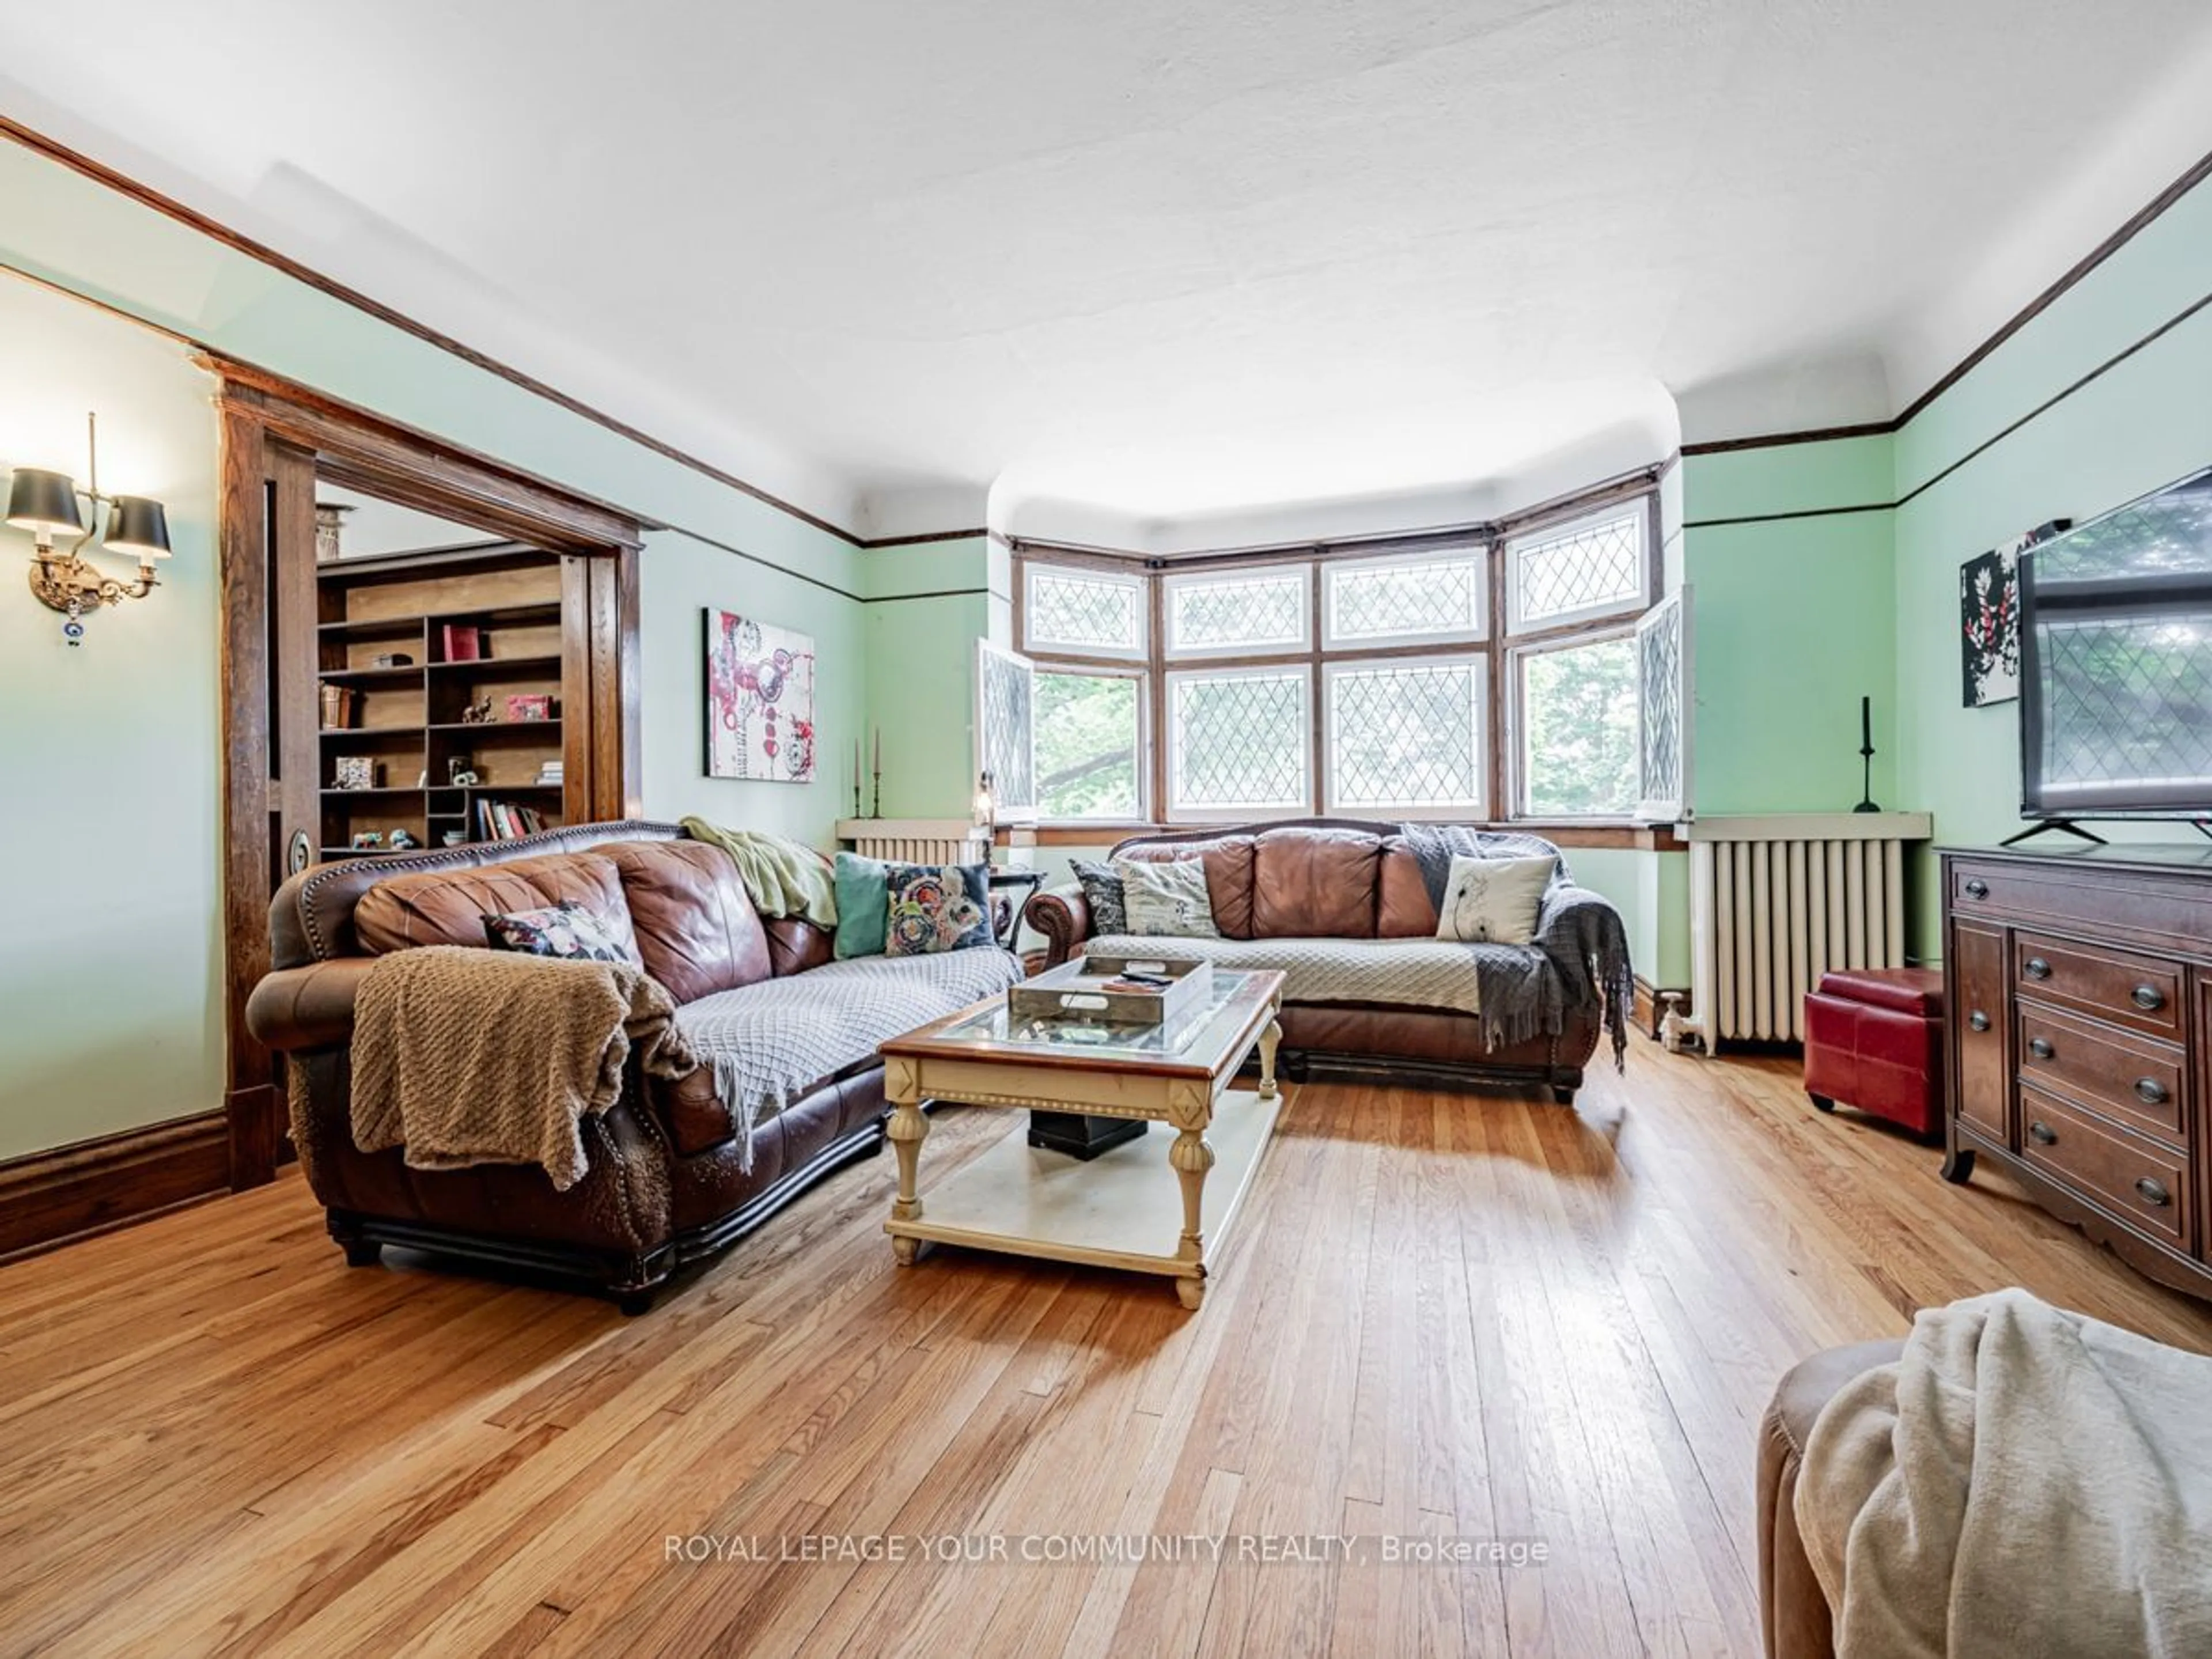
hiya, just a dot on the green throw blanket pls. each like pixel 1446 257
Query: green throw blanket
pixel 781 876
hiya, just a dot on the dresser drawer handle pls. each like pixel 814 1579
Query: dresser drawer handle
pixel 2042 1133
pixel 2149 997
pixel 1977 888
pixel 2038 968
pixel 1978 1020
pixel 2150 1092
pixel 2153 1193
pixel 2040 1048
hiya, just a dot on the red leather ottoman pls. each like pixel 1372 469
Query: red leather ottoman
pixel 1874 1039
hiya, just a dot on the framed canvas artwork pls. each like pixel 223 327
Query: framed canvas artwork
pixel 1989 618
pixel 760 701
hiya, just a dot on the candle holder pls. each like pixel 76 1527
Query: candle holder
pixel 1866 758
pixel 876 807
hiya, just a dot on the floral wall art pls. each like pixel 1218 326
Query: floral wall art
pixel 1989 618
pixel 760 701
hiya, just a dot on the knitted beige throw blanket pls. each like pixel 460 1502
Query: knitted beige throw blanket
pixel 464 1056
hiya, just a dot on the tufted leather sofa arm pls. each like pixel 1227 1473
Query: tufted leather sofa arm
pixel 1794 1613
pixel 1063 916
pixel 309 1008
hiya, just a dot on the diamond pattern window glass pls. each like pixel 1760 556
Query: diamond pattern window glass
pixel 1592 568
pixel 1090 613
pixel 1406 735
pixel 1245 615
pixel 1579 729
pixel 1408 600
pixel 1662 692
pixel 1239 742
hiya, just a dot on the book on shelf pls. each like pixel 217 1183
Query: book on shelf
pixel 337 708
pixel 507 820
pixel 463 642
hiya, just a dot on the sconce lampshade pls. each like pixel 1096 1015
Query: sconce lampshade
pixel 138 525
pixel 44 503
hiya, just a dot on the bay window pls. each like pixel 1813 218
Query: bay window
pixel 1478 675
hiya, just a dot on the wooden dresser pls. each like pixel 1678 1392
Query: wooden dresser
pixel 2078 1011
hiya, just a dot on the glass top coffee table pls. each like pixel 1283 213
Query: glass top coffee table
pixel 1118 1209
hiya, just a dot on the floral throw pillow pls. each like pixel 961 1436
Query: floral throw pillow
pixel 1102 892
pixel 930 910
pixel 1167 901
pixel 565 929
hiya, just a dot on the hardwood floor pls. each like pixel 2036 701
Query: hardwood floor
pixel 1448 1318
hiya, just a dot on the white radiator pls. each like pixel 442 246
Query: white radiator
pixel 1775 901
pixel 917 840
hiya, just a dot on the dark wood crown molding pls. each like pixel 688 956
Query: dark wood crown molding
pixel 2136 223
pixel 193 219
pixel 146 196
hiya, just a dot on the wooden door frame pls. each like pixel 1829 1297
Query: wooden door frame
pixel 278 436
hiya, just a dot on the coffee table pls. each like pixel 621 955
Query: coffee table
pixel 1116 1210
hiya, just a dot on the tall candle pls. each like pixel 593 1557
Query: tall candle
pixel 879 749
pixel 857 774
pixel 1866 723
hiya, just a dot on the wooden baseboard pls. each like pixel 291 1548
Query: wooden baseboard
pixel 1646 1013
pixel 73 1192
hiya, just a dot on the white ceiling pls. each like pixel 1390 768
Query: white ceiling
pixel 1157 259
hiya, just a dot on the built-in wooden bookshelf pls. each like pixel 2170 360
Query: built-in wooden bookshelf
pixel 414 726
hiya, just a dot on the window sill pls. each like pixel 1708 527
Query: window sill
pixel 1582 832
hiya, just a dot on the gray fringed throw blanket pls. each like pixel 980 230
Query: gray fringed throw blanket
pixel 1580 953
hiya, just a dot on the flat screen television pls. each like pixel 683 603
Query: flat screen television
pixel 2115 663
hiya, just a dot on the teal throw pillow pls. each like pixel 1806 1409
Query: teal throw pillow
pixel 863 905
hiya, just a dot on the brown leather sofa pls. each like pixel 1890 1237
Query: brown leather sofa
pixel 1794 1613
pixel 1347 878
pixel 666 1184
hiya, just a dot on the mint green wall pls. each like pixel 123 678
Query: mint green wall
pixel 1793 624
pixel 2144 422
pixel 110 1012
pixel 928 605
pixel 130 797
pixel 679 579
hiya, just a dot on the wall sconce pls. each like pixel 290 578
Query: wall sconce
pixel 45 504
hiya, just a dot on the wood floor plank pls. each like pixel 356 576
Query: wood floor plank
pixel 1447 1318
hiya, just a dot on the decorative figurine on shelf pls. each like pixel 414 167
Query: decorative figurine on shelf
pixel 465 778
pixel 368 841
pixel 460 772
pixel 403 841
pixel 477 714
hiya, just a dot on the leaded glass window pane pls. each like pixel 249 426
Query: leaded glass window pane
pixel 1239 741
pixel 1088 612
pixel 1395 601
pixel 1587 569
pixel 1242 614
pixel 1406 735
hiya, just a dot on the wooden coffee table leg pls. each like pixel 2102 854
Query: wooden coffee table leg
pixel 908 1129
pixel 1192 1157
pixel 1270 1040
